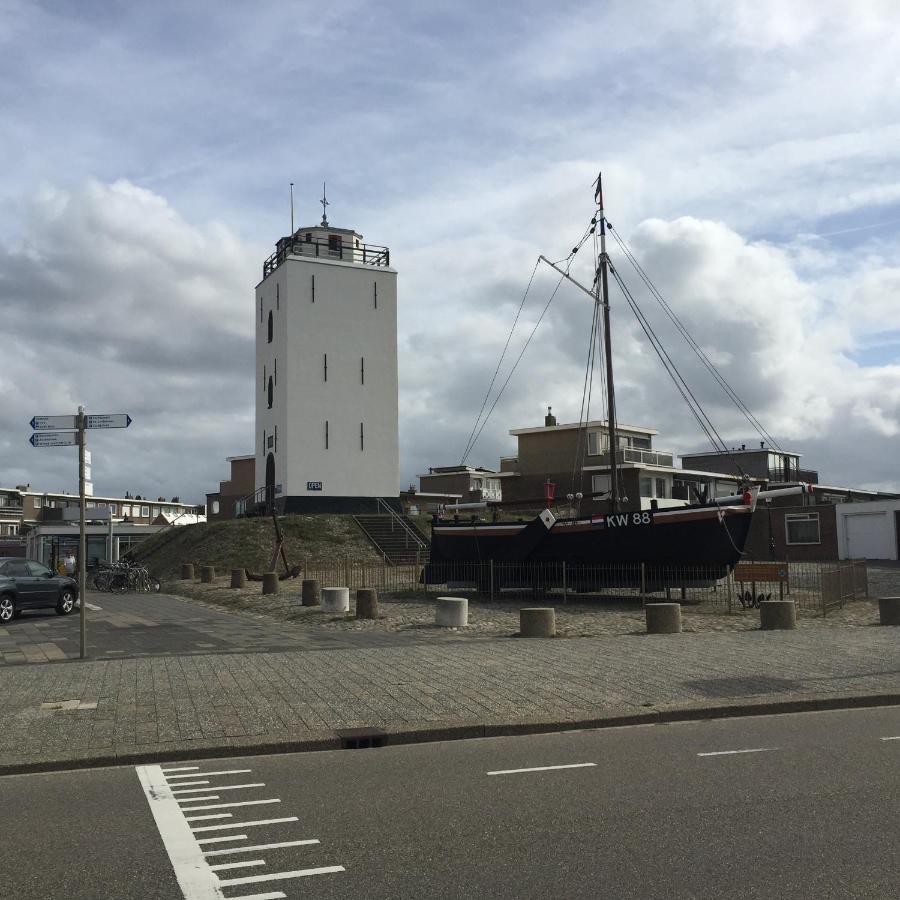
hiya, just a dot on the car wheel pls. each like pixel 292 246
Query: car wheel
pixel 66 602
pixel 7 609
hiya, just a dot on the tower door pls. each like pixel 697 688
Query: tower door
pixel 270 482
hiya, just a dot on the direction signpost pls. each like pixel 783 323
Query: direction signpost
pixel 72 435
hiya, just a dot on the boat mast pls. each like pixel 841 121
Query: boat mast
pixel 602 297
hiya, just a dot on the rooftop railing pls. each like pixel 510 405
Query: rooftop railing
pixel 346 251
pixel 633 455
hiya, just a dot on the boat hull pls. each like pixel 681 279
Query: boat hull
pixel 707 541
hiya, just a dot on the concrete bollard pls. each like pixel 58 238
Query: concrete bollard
pixel 238 578
pixel 663 618
pixel 539 621
pixel 207 574
pixel 187 571
pixel 889 610
pixel 451 612
pixel 311 595
pixel 270 583
pixel 777 615
pixel 336 599
pixel 367 603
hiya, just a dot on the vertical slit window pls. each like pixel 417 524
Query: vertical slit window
pixel 264 440
pixel 361 437
pixel 375 293
pixel 271 325
pixel 362 370
pixel 326 434
pixel 325 366
pixel 277 296
pixel 271 396
pixel 313 288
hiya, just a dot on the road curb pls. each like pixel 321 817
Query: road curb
pixel 436 731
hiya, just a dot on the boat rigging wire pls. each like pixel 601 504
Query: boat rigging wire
pixel 476 430
pixel 692 343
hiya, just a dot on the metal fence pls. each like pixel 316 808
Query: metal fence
pixel 816 586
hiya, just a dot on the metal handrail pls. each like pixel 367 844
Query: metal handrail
pixel 366 254
pixel 395 518
pixel 240 506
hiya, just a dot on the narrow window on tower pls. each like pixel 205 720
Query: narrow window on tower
pixel 313 288
pixel 264 440
pixel 362 370
pixel 277 296
pixel 271 325
pixel 326 434
pixel 271 392
pixel 325 367
pixel 361 438
pixel 375 293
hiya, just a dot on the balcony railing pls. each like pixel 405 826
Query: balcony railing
pixel 632 455
pixel 790 474
pixel 361 254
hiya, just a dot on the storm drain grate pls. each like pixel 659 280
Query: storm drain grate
pixel 361 738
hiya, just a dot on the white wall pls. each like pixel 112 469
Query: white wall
pixel 344 323
pixel 867 529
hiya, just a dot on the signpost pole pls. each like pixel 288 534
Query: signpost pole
pixel 82 542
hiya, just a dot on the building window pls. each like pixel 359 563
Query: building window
pixel 271 392
pixel 646 487
pixel 334 243
pixel 661 488
pixel 308 237
pixel 362 370
pixel 325 367
pixel 313 288
pixel 215 507
pixel 271 325
pixel 600 484
pixel 598 442
pixel 155 512
pixel 145 512
pixel 126 510
pixel 802 528
pixel 375 293
pixel 362 445
pixel 113 509
pixel 277 296
pixel 326 434
pixel 271 443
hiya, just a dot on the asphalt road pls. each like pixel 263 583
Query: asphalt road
pixel 793 806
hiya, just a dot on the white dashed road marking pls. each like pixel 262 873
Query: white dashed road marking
pixel 734 752
pixel 199 879
pixel 897 738
pixel 543 769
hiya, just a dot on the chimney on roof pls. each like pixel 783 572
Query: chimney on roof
pixel 549 419
pixel 762 445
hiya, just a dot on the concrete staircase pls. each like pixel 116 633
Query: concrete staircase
pixel 395 537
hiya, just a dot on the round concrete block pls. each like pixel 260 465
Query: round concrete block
pixel 367 603
pixel 238 578
pixel 539 621
pixel 451 612
pixel 777 614
pixel 663 618
pixel 187 571
pixel 207 574
pixel 889 610
pixel 270 583
pixel 311 596
pixel 336 599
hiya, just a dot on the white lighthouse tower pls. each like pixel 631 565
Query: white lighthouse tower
pixel 326 373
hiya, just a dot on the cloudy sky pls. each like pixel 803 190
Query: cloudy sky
pixel 751 158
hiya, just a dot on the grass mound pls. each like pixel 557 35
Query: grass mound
pixel 248 543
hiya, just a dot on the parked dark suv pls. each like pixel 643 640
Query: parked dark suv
pixel 26 584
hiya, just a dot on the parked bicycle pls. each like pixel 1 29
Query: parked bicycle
pixel 125 577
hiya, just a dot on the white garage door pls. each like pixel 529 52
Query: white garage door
pixel 869 536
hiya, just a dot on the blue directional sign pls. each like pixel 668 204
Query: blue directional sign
pixel 116 420
pixel 51 423
pixel 54 439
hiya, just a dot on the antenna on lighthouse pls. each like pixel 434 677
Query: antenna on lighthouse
pixel 324 203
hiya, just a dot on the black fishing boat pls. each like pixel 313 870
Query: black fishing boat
pixel 708 538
